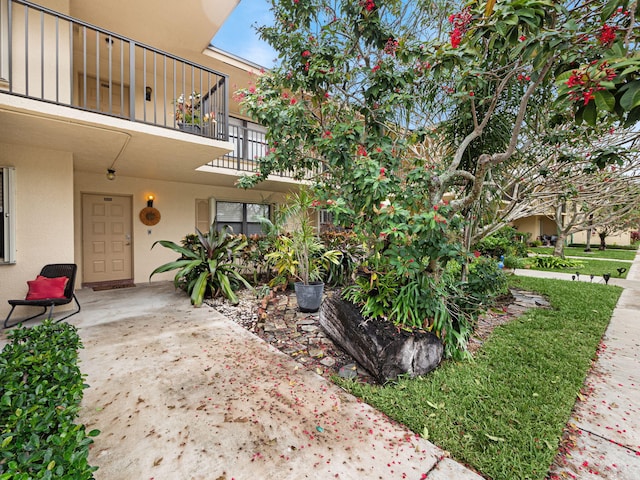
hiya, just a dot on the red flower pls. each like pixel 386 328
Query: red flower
pixel 306 54
pixel 522 38
pixel 476 253
pixel 607 35
pixel 376 68
pixel 293 101
pixel 382 171
pixel 369 5
pixel 435 207
pixel 456 37
pixel 362 151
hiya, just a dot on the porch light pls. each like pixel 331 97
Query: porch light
pixel 150 199
pixel 111 174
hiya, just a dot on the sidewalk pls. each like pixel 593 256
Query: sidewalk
pixel 607 419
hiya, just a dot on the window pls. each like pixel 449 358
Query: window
pixel 7 214
pixel 242 217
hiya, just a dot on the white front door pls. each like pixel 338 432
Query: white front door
pixel 106 238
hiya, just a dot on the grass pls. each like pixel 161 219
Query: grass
pixel 611 253
pixel 595 267
pixel 503 413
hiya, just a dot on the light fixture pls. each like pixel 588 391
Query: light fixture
pixel 147 93
pixel 150 199
pixel 111 174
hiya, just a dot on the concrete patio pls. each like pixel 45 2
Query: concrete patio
pixel 181 392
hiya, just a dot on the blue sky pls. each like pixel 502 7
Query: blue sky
pixel 238 35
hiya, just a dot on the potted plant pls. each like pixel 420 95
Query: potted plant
pixel 189 114
pixel 301 255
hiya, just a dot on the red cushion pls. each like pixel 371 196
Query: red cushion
pixel 44 287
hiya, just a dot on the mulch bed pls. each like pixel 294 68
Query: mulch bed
pixel 277 321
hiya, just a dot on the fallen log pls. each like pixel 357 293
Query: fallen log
pixel 384 350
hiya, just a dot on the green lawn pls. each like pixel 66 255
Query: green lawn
pixel 595 267
pixel 612 253
pixel 504 412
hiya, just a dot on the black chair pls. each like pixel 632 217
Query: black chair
pixel 53 270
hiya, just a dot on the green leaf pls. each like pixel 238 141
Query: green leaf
pixel 6 441
pixel 494 439
pixel 631 97
pixel 605 100
pixel 199 288
pixel 590 114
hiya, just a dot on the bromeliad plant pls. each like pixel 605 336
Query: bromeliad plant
pixel 207 266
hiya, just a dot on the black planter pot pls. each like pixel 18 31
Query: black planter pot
pixel 190 128
pixel 309 296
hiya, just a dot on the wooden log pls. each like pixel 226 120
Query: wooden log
pixel 377 345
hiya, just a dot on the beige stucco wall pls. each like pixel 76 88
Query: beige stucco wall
pixel 176 204
pixel 44 216
pixel 536 225
pixel 619 239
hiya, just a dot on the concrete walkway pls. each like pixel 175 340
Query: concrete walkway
pixel 606 421
pixel 184 393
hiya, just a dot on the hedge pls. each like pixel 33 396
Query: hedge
pixel 41 390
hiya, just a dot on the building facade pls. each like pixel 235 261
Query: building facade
pixel 118 128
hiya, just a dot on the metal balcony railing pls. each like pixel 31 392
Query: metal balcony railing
pixel 250 144
pixel 47 56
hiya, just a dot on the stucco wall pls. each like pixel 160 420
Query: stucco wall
pixel 44 216
pixel 619 239
pixel 176 204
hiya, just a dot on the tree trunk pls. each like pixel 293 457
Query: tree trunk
pixel 377 345
pixel 603 241
pixel 558 250
pixel 588 247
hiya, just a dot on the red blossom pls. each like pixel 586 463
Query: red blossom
pixel 522 38
pixel 456 37
pixel 460 22
pixel 362 151
pixel 293 101
pixel 476 253
pixel 391 46
pixel 382 171
pixel 376 68
pixel 435 207
pixel 607 35
pixel 306 54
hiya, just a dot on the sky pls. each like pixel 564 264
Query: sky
pixel 238 35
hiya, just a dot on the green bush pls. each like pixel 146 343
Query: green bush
pixel 352 250
pixel 506 241
pixel 42 390
pixel 542 261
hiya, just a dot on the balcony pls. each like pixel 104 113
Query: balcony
pixel 249 145
pixel 53 58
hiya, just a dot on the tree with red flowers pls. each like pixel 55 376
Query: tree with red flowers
pixel 404 109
